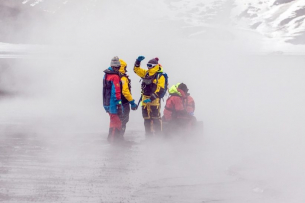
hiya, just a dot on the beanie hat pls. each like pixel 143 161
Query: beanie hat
pixel 154 60
pixel 115 62
pixel 183 87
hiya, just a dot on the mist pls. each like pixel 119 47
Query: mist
pixel 251 104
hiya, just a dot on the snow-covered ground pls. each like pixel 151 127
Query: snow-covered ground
pixel 53 127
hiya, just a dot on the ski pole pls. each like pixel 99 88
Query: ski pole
pixel 140 99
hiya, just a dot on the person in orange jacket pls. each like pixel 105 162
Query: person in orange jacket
pixel 179 110
pixel 126 96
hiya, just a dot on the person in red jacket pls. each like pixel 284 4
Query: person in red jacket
pixel 179 110
pixel 112 99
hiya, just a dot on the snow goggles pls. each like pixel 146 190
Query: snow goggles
pixel 150 65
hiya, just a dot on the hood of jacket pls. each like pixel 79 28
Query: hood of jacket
pixel 154 70
pixel 110 71
pixel 123 67
pixel 174 90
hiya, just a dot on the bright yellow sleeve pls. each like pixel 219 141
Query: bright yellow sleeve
pixel 161 84
pixel 140 71
pixel 125 89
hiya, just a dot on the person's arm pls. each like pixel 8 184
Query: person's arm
pixel 125 89
pixel 137 67
pixel 160 87
pixel 117 88
pixel 190 105
pixel 140 71
pixel 180 109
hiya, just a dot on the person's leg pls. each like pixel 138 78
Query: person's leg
pixel 148 127
pixel 157 126
pixel 114 128
pixel 157 122
pixel 147 120
pixel 125 117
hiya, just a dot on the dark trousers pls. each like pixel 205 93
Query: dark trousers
pixel 124 117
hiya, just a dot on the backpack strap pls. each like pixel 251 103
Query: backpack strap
pixel 158 76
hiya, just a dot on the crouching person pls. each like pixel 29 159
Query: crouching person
pixel 178 116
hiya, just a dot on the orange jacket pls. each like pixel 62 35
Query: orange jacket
pixel 178 106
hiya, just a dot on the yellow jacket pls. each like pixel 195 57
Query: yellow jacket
pixel 158 68
pixel 125 81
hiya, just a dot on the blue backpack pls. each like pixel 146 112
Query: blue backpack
pixel 163 93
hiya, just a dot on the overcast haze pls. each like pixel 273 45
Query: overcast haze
pixel 53 125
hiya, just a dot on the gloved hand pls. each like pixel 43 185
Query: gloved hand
pixel 120 109
pixel 141 58
pixel 147 101
pixel 133 105
pixel 191 113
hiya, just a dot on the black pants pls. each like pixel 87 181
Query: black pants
pixel 152 121
pixel 125 117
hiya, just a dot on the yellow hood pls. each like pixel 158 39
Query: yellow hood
pixel 155 69
pixel 123 66
pixel 174 89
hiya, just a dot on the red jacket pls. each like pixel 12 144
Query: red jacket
pixel 111 91
pixel 178 106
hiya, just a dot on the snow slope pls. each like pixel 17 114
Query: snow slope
pixel 281 21
pixel 276 25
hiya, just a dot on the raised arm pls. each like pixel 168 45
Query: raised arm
pixel 137 69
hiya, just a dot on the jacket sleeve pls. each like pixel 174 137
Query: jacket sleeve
pixel 160 87
pixel 179 107
pixel 190 105
pixel 117 88
pixel 125 89
pixel 140 71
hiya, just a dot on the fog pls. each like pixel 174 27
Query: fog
pixel 251 104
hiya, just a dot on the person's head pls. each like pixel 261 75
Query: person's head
pixel 183 87
pixel 152 63
pixel 123 68
pixel 115 63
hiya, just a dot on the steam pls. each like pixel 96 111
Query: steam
pixel 252 106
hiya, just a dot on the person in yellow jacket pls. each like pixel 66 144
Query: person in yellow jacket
pixel 125 96
pixel 153 85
